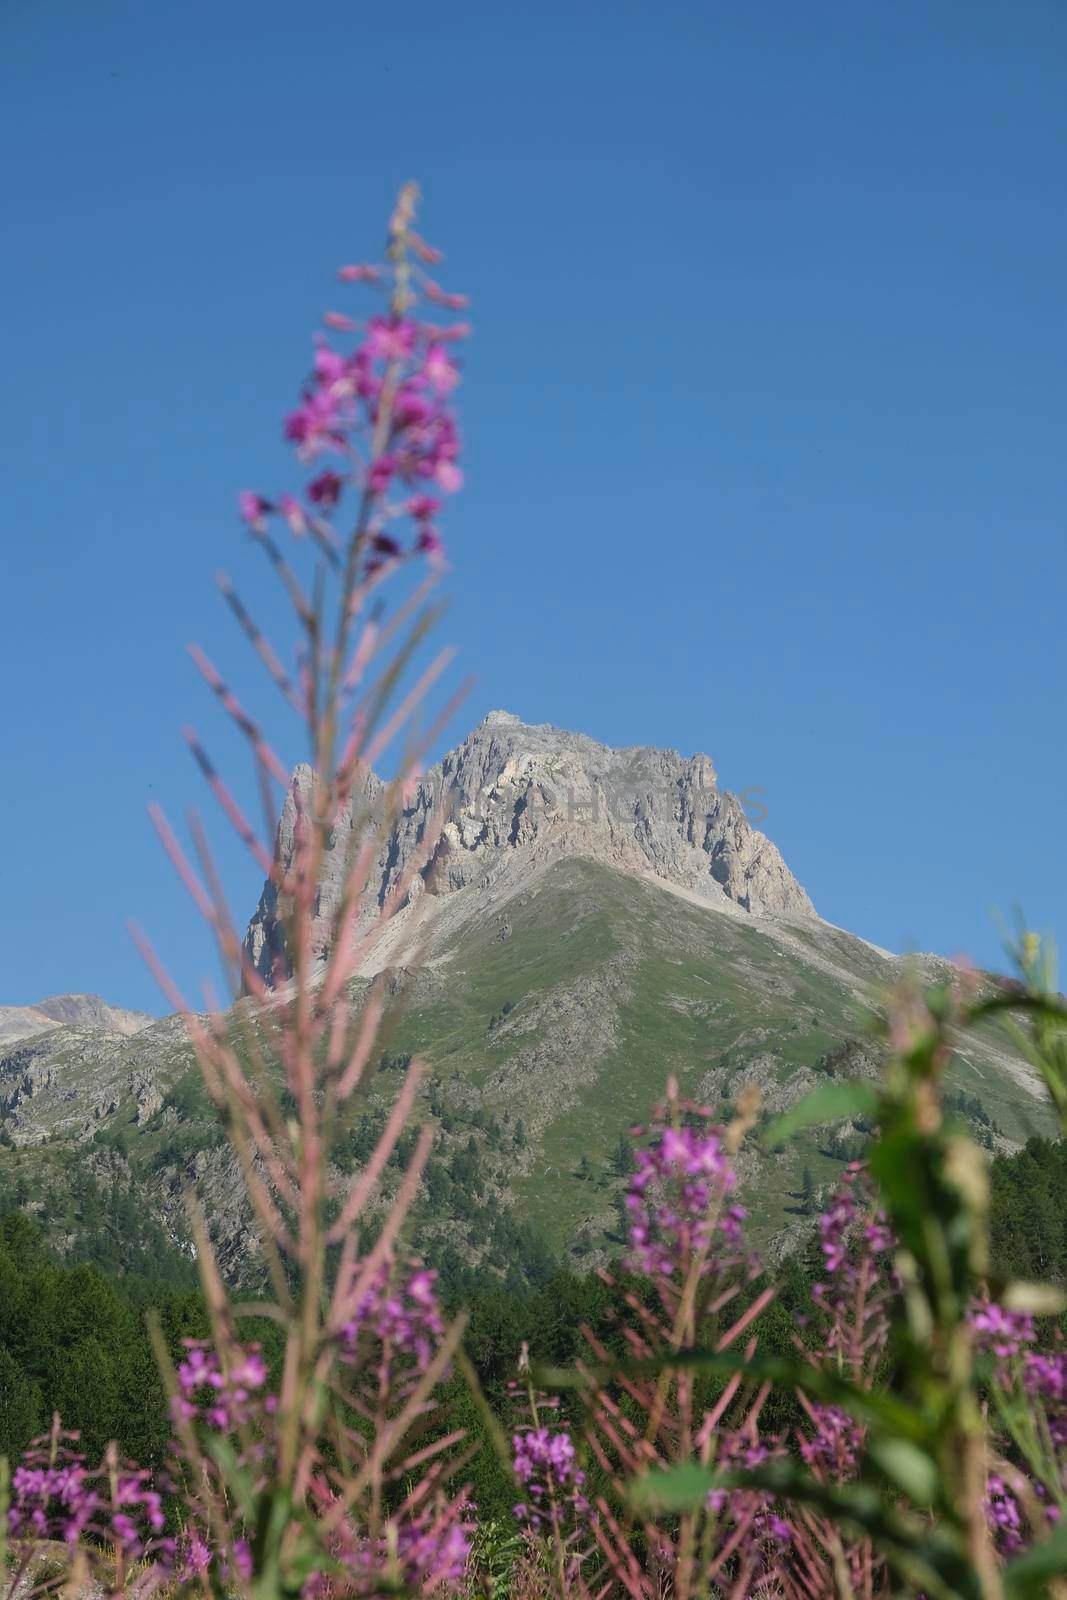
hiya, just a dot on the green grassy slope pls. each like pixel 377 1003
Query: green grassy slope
pixel 549 1030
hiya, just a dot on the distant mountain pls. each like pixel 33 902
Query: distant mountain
pixel 590 921
pixel 62 1010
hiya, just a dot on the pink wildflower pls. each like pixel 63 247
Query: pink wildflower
pixel 1003 1332
pixel 391 338
pixel 380 474
pixel 330 367
pixel 253 507
pixel 439 370
pixel 315 424
pixel 449 476
pixel 325 490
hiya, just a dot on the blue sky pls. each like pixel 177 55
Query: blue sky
pixel 764 414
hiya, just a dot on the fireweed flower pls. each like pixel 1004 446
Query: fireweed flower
pixel 1045 1383
pixel 137 1512
pixel 222 1399
pixel 325 490
pixel 856 1245
pixel 253 507
pixel 439 370
pixel 391 338
pixel 380 475
pixel 374 415
pixel 751 1516
pixel 55 1496
pixel 1003 1333
pixel 52 1499
pixel 419 1553
pixel 432 1553
pixel 850 1326
pixel 399 1312
pixel 675 1200
pixel 381 409
pixel 834 1444
pixel 552 1483
pixel 1003 1516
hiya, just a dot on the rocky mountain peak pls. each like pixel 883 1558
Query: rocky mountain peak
pixel 69 1010
pixel 518 795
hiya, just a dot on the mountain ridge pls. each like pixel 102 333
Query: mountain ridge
pixel 517 794
pixel 65 1010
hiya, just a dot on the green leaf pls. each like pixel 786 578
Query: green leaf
pixel 830 1102
pixel 238 1481
pixel 681 1488
pixel 908 1467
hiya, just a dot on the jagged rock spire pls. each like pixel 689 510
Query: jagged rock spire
pixel 519 795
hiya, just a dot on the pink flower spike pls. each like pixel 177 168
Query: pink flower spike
pixel 410 408
pixel 449 476
pixel 251 1370
pixel 420 1287
pixel 329 366
pixel 391 338
pixel 423 507
pixel 384 545
pixel 439 370
pixel 380 474
pixel 338 320
pixel 325 490
pixel 359 274
pixel 314 425
pixel 252 507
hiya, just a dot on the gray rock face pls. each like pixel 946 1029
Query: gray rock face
pixel 66 1081
pixel 517 796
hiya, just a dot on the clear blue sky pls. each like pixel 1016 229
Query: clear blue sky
pixel 765 413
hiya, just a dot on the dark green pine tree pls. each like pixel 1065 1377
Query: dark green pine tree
pixel 808 1200
pixel 21 1408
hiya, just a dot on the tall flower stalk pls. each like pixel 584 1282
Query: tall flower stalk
pixel 326 1483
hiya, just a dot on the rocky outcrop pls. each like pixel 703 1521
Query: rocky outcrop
pixel 517 796
pixel 67 1081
